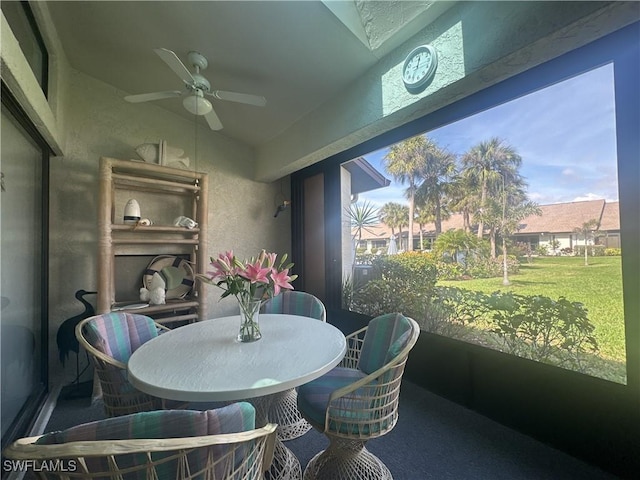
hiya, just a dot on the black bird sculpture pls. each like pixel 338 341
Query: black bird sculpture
pixel 66 336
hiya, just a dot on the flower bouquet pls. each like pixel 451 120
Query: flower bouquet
pixel 251 282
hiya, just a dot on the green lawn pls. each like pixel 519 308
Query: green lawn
pixel 598 286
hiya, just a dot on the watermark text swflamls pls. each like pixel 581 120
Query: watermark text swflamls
pixel 59 465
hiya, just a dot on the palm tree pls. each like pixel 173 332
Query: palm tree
pixel 487 163
pixel 437 177
pixel 423 216
pixel 403 221
pixel 514 210
pixel 391 214
pixel 406 162
pixel 395 215
pixel 463 197
pixel 362 216
pixel 587 230
pixel 455 241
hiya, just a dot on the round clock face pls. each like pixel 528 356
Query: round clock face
pixel 419 67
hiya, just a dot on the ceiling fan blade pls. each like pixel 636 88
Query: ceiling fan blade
pixel 255 100
pixel 147 97
pixel 175 64
pixel 213 120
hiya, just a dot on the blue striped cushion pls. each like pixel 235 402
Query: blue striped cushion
pixel 313 399
pixel 234 418
pixel 296 303
pixel 385 337
pixel 119 334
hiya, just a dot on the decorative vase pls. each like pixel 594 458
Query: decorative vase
pixel 249 316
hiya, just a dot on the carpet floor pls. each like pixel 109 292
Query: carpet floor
pixel 433 439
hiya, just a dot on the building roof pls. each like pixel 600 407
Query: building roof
pixel 610 217
pixel 555 218
pixel 381 230
pixel 562 217
pixel 364 176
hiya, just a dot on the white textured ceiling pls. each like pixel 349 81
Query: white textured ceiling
pixel 296 54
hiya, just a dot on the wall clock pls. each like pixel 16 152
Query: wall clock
pixel 419 68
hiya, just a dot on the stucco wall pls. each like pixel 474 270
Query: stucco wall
pixel 100 123
pixel 478 43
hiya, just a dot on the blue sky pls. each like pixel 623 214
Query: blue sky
pixel 564 133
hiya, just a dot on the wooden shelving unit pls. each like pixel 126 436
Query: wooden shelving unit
pixel 169 193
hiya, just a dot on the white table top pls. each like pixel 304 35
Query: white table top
pixel 204 361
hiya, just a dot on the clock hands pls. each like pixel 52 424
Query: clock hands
pixel 419 67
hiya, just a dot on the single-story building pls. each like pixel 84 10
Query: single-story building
pixel 555 226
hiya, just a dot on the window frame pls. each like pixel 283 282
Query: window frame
pixel 610 49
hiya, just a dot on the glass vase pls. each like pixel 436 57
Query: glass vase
pixel 249 316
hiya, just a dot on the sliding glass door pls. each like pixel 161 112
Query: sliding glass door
pixel 23 324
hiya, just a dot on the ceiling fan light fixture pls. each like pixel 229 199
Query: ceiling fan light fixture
pixel 197 104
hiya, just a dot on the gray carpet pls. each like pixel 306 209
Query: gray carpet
pixel 433 439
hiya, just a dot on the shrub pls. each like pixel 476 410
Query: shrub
pixel 414 265
pixel 593 250
pixel 566 251
pixel 540 328
pixel 454 242
pixel 405 284
pixel 449 271
pixel 522 250
pixel 542 250
pixel 451 310
pixel 613 252
pixel 485 267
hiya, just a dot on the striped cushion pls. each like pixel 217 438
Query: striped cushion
pixel 385 337
pixel 296 303
pixel 234 418
pixel 119 334
pixel 313 400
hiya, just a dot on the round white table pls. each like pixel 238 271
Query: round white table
pixel 204 362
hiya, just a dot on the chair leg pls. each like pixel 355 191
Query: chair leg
pixel 346 460
pixel 285 465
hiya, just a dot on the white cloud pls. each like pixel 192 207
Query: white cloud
pixel 588 196
pixel 535 196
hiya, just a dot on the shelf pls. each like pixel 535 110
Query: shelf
pixel 149 241
pixel 120 227
pixel 171 305
pixel 156 182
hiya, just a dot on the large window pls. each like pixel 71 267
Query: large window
pixel 500 221
pixel 507 209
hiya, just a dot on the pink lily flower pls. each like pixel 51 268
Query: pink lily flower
pixel 217 272
pixel 281 280
pixel 255 273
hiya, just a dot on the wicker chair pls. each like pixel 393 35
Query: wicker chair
pixel 171 444
pixel 283 409
pixel 358 400
pixel 110 339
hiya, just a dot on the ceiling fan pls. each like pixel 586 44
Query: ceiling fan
pixel 197 87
